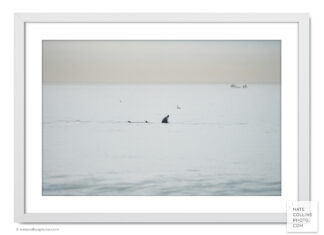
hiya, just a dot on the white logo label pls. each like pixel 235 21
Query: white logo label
pixel 302 216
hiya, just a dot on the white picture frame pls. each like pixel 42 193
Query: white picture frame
pixel 22 19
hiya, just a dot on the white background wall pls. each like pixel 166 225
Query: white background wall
pixel 7 8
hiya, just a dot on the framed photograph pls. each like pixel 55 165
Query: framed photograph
pixel 160 118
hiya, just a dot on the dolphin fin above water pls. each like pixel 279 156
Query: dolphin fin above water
pixel 165 119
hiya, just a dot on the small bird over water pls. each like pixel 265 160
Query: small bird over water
pixel 165 119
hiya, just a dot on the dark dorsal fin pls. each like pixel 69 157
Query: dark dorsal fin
pixel 165 119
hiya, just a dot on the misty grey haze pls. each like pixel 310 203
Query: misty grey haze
pixel 180 61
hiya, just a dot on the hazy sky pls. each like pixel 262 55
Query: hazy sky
pixel 162 61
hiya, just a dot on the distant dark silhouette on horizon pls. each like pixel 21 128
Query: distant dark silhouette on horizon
pixel 165 119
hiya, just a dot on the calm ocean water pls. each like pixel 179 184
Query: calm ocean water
pixel 220 140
